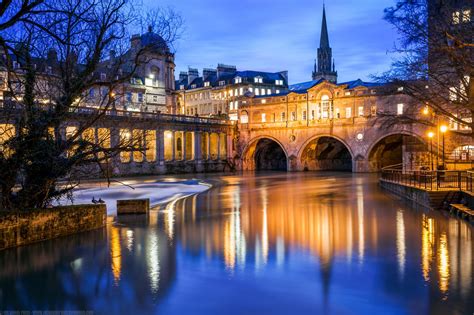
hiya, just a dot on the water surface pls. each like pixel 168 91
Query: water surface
pixel 312 243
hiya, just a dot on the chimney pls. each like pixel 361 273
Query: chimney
pixel 208 73
pixel 183 76
pixel 284 74
pixel 223 70
pixel 192 75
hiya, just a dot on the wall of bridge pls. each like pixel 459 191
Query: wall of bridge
pixel 357 136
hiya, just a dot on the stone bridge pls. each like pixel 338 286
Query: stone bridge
pixel 355 145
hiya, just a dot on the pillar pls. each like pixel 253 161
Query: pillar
pixel 198 151
pixel 160 146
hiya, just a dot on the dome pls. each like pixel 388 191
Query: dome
pixel 154 41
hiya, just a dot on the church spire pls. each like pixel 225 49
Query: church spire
pixel 325 66
pixel 324 42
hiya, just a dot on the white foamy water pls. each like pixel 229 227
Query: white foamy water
pixel 158 192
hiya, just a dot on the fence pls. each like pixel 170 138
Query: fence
pixel 431 180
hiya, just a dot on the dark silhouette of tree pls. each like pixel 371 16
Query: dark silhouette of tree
pixel 434 60
pixel 53 53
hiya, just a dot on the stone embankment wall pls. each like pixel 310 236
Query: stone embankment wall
pixel 418 196
pixel 26 227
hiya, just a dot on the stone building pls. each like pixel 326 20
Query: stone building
pixel 220 92
pixel 149 90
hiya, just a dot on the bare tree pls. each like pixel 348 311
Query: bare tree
pixel 53 58
pixel 434 60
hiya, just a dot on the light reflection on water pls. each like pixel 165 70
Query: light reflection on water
pixel 275 243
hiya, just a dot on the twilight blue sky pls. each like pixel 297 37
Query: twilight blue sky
pixel 277 35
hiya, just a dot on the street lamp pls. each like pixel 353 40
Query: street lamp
pixel 431 135
pixel 443 130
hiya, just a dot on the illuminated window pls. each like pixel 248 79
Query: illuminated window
pixel 231 93
pixel 264 117
pixel 360 111
pixel 348 93
pixel 241 91
pixel 244 117
pixel 231 105
pixel 223 146
pixel 277 91
pixel 7 131
pixel 205 145
pixel 258 80
pixel 293 116
pixel 279 82
pixel 400 89
pixel 150 142
pixel 103 140
pixel 325 106
pixel 189 146
pixel 257 92
pixel 221 83
pixel 400 109
pixel 236 106
pixel 181 87
pixel 168 135
pixel 125 143
pixel 262 92
pixel 238 80
pixel 207 84
pixel 348 112
pixel 138 138
pixel 466 16
pixel 456 17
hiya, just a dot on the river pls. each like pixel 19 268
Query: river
pixel 271 243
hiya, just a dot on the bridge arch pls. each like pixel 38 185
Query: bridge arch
pixel 325 152
pixel 265 153
pixel 403 148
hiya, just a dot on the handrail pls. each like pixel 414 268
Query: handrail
pixel 431 180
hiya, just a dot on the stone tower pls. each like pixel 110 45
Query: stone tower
pixel 325 68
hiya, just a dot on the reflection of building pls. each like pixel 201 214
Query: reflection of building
pixel 223 90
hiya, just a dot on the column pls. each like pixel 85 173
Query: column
pixel 197 146
pixel 160 146
pixel 218 146
pixel 183 143
pixel 173 147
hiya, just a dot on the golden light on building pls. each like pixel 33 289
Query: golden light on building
pixel 443 263
pixel 115 253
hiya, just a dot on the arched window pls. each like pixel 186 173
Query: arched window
pixel 326 110
pixel 244 117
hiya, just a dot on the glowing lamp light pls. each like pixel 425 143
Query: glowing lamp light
pixel 169 135
pixel 430 134
pixel 443 129
pixel 426 110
